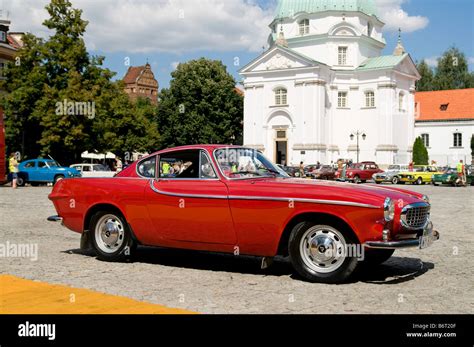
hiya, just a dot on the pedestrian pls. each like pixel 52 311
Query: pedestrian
pixel 461 170
pixel 411 166
pixel 301 170
pixel 344 168
pixel 13 167
pixel 118 164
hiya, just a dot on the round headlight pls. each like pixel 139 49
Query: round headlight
pixel 426 198
pixel 388 209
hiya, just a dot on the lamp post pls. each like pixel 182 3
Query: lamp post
pixel 357 134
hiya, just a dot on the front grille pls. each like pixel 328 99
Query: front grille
pixel 415 217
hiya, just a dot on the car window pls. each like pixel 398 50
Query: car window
pixel 52 163
pixel 207 170
pixel 99 167
pixel 180 164
pixel 86 168
pixel 29 164
pixel 147 167
pixel 42 164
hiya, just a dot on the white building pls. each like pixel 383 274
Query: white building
pixel 322 79
pixel 445 122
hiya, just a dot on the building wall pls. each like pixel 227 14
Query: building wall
pixel 441 147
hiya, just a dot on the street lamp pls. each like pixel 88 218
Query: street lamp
pixel 358 133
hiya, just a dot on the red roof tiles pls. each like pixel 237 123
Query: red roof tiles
pixel 445 105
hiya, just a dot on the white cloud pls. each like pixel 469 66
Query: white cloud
pixel 174 65
pixel 394 17
pixel 432 61
pixel 141 26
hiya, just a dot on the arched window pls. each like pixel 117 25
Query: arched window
pixel 304 27
pixel 281 96
pixel 401 102
pixel 369 98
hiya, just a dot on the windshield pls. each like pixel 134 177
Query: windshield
pixel 246 163
pixel 52 163
pixel 393 168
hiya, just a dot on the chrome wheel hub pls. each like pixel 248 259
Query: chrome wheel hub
pixel 322 249
pixel 109 233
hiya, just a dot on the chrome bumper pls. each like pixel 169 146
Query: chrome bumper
pixel 399 244
pixel 55 219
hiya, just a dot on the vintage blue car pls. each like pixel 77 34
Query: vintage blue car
pixel 37 171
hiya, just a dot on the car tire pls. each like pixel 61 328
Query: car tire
pixel 319 265
pixel 395 180
pixel 110 236
pixel 375 257
pixel 357 179
pixel 20 181
pixel 419 181
pixel 57 179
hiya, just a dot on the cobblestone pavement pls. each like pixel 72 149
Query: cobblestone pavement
pixel 435 280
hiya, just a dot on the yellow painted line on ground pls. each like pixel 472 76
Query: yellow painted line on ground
pixel 20 296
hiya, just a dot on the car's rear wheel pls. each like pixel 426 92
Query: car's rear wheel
pixel 419 181
pixel 395 180
pixel 111 236
pixel 374 257
pixel 357 179
pixel 319 253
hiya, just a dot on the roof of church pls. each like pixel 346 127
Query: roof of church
pixel 133 73
pixel 445 105
pixel 288 8
pixel 382 62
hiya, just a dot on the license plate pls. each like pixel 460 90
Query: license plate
pixel 427 239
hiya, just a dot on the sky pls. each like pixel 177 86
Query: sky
pixel 167 32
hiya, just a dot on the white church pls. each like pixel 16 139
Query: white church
pixel 323 87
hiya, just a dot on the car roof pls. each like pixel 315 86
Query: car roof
pixel 190 147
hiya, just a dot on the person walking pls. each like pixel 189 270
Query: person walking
pixel 13 167
pixel 461 170
pixel 301 170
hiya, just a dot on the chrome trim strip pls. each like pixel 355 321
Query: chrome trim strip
pixel 262 198
pixel 177 195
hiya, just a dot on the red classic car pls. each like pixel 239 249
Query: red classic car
pixel 359 173
pixel 234 200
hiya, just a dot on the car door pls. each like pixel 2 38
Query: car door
pixel 31 169
pixel 187 201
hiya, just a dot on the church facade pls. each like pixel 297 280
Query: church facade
pixel 324 92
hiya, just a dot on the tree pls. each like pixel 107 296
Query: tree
pixel 452 71
pixel 426 81
pixel 420 153
pixel 200 106
pixel 66 101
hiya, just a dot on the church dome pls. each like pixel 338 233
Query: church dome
pixel 288 8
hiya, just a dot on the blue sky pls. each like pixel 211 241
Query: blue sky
pixel 167 32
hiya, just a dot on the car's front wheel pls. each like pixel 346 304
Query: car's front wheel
pixel 395 180
pixel 319 253
pixel 111 236
pixel 20 181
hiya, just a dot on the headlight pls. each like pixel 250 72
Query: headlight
pixel 70 174
pixel 448 179
pixel 388 209
pixel 426 198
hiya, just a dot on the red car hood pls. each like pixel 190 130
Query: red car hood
pixel 294 188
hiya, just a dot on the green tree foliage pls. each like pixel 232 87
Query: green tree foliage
pixel 420 153
pixel 200 106
pixel 52 78
pixel 452 72
pixel 427 76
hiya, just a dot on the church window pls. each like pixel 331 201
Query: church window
pixel 342 99
pixel 426 139
pixel 369 99
pixel 342 56
pixel 304 27
pixel 401 102
pixel 281 96
pixel 457 140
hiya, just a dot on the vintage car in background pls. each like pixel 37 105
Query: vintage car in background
pixel 450 176
pixel 292 171
pixel 421 174
pixel 326 228
pixel 390 175
pixel 93 170
pixel 324 172
pixel 41 171
pixel 359 173
pixel 309 169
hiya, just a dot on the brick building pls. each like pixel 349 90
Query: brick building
pixel 141 82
